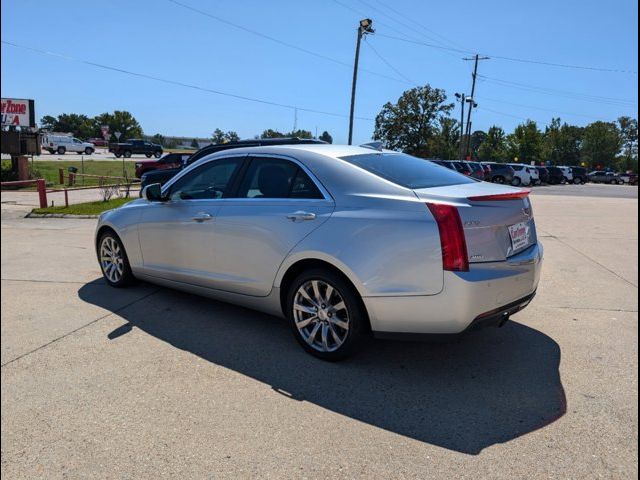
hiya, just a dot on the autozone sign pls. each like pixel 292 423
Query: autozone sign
pixel 18 112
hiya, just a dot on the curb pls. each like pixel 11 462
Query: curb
pixel 58 215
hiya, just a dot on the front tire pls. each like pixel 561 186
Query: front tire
pixel 157 154
pixel 326 314
pixel 498 179
pixel 114 262
pixel 88 151
pixel 127 154
pixel 516 181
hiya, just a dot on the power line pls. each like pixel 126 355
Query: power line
pixel 178 83
pixel 400 14
pixel 560 93
pixel 398 72
pixel 539 108
pixel 513 59
pixel 278 41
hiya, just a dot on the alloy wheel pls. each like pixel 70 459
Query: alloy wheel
pixel 321 316
pixel 111 259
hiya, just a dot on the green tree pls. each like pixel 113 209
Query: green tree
pixel 300 134
pixel 561 143
pixel 76 124
pixel 325 137
pixel 159 139
pixel 525 143
pixel 601 144
pixel 412 122
pixel 629 138
pixel 477 138
pixel 445 144
pixel 270 133
pixel 119 121
pixel 494 146
pixel 218 136
pixel 194 143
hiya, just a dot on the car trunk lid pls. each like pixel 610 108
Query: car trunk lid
pixel 497 220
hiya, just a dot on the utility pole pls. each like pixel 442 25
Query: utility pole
pixel 295 119
pixel 461 97
pixel 471 99
pixel 363 29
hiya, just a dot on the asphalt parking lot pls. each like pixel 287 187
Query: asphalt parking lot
pixel 148 383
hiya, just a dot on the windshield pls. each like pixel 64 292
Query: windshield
pixel 407 171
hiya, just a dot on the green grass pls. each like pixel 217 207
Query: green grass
pixel 89 208
pixel 48 169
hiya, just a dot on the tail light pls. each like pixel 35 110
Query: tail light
pixel 501 196
pixel 452 241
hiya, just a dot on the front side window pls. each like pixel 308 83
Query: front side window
pixel 406 170
pixel 276 178
pixel 209 181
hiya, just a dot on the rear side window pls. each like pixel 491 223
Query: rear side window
pixel 276 178
pixel 406 170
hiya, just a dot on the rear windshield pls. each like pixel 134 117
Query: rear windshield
pixel 407 171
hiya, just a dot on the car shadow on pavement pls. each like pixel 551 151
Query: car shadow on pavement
pixel 490 387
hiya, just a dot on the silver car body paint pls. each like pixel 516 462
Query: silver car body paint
pixel 379 234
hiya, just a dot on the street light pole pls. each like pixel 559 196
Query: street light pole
pixel 461 97
pixel 363 29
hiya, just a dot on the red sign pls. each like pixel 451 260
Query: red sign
pixel 18 112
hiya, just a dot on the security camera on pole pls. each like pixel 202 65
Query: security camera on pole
pixel 364 28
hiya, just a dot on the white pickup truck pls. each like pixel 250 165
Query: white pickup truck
pixel 61 144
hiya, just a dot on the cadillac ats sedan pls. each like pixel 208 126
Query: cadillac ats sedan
pixel 342 241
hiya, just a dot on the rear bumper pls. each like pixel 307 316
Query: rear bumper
pixel 486 294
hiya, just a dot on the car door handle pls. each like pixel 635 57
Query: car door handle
pixel 301 216
pixel 202 217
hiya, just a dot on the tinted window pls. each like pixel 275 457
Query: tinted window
pixel 517 168
pixel 276 178
pixel 208 181
pixel 407 171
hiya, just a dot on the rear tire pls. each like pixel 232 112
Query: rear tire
pixel 148 155
pixel 118 155
pixel 326 314
pixel 113 260
pixel 498 179
pixel 61 150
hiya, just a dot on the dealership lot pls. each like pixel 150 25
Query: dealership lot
pixel 147 382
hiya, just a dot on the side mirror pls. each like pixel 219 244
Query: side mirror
pixel 152 193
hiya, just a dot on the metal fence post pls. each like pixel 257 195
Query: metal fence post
pixel 42 192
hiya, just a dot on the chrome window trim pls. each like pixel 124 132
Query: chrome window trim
pixel 204 160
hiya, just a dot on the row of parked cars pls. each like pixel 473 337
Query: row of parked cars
pixel 528 175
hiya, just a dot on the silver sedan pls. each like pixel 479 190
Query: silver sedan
pixel 342 241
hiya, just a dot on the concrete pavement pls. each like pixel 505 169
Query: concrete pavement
pixel 146 382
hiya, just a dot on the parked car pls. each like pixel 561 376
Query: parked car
pixel 98 142
pixel 135 146
pixel 522 174
pixel 61 144
pixel 556 175
pixel 599 176
pixel 629 178
pixel 580 175
pixel 487 171
pixel 500 173
pixel 543 174
pixel 257 227
pixel 164 175
pixel 477 170
pixel 567 174
pixel 170 160
pixel 535 175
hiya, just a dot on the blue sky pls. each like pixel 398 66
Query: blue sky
pixel 162 39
